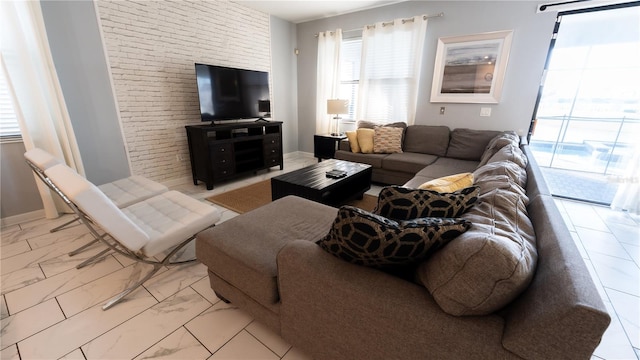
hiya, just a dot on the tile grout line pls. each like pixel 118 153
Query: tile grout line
pixel 195 337
pixel 265 345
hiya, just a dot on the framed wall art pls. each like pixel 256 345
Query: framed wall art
pixel 471 68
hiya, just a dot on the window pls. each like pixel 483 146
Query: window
pixel 9 128
pixel 389 77
pixel 350 73
pixel 380 71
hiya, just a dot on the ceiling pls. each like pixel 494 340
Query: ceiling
pixel 298 11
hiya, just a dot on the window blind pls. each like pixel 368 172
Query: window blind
pixel 8 121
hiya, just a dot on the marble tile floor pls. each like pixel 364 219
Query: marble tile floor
pixel 50 310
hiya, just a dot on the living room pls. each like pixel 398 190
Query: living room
pixel 133 62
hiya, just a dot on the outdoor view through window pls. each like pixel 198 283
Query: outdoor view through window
pixel 588 119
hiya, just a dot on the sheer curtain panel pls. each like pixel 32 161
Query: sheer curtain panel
pixel 35 90
pixel 328 76
pixel 390 70
pixel 627 196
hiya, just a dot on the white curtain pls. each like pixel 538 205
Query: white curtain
pixel 328 76
pixel 390 70
pixel 33 83
pixel 627 196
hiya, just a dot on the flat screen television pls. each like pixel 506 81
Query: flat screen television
pixel 229 94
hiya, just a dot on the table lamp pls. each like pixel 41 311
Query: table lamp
pixel 337 107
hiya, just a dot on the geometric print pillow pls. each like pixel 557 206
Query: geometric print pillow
pixel 400 203
pixel 363 238
pixel 387 140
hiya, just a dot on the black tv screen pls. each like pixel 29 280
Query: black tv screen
pixel 229 93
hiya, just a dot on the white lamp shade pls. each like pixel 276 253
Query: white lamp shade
pixel 338 106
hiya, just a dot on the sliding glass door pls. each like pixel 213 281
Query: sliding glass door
pixel 587 122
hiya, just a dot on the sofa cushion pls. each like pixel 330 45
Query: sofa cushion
pixel 242 253
pixel 353 141
pixel 497 143
pixel 508 168
pixel 468 144
pixel 408 162
pixel 363 238
pixel 365 140
pixel 504 182
pixel 387 140
pixel 511 153
pixel 375 160
pixel 449 183
pixel 426 139
pixel 487 267
pixel 447 166
pixel 400 203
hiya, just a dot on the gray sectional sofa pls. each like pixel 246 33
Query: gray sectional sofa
pixel 443 151
pixel 514 286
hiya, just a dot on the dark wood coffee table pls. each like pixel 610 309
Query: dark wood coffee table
pixel 312 183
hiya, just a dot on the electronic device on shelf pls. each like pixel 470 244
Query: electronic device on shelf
pixel 228 93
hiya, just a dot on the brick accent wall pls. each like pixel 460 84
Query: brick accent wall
pixel 152 47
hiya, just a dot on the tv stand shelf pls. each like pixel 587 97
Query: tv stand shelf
pixel 220 152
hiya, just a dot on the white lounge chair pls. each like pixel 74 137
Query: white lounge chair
pixel 165 222
pixel 122 192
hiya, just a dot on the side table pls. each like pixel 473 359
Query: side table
pixel 325 145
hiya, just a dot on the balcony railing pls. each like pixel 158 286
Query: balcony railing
pixel 598 145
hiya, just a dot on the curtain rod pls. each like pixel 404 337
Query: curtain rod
pixel 391 22
pixel 545 6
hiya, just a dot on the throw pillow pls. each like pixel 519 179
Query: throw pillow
pixel 400 203
pixel 387 140
pixel 363 238
pixel 449 183
pixel 365 140
pixel 353 141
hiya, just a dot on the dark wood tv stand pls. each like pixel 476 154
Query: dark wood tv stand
pixel 223 151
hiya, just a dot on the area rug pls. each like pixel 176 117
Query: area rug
pixel 255 195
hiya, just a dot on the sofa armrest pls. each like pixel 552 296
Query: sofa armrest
pixel 337 310
pixel 561 314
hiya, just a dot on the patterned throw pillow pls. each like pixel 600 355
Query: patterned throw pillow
pixel 400 203
pixel 387 140
pixel 363 238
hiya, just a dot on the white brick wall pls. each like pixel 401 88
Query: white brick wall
pixel 152 47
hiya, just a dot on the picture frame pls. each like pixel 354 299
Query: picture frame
pixel 471 68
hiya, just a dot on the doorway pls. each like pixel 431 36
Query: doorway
pixel 586 125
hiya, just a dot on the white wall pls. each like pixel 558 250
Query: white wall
pixel 18 189
pixel 532 33
pixel 285 86
pixel 152 47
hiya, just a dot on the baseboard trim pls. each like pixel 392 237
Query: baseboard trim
pixel 21 218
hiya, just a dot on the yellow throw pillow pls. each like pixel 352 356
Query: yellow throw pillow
pixel 449 183
pixel 365 140
pixel 353 141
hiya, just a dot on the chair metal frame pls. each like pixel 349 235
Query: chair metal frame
pixel 114 245
pixel 45 179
